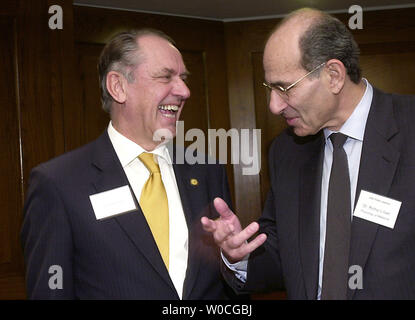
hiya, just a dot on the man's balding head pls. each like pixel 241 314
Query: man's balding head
pixel 311 65
pixel 316 37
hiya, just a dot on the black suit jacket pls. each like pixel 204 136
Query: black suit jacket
pixel 114 258
pixel 291 218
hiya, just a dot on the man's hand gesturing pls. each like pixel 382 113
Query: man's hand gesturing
pixel 228 234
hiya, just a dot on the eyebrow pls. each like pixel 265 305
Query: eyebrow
pixel 186 73
pixel 172 71
pixel 279 83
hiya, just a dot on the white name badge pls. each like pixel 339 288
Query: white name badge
pixel 377 209
pixel 112 202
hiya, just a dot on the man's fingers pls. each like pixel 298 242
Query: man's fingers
pixel 222 208
pixel 208 225
pixel 234 244
pixel 255 243
pixel 243 236
pixel 237 254
pixel 220 230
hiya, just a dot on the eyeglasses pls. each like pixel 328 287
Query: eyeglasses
pixel 283 92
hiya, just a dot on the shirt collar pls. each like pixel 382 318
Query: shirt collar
pixel 127 150
pixel 355 125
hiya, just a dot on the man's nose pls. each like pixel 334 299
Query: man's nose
pixel 181 89
pixel 276 103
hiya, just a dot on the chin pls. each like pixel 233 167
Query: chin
pixel 302 132
pixel 299 132
pixel 163 134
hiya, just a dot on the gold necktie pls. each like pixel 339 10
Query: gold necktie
pixel 153 202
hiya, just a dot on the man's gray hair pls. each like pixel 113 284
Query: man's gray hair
pixel 328 38
pixel 122 54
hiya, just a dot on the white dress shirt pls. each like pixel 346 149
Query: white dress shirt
pixel 354 128
pixel 137 174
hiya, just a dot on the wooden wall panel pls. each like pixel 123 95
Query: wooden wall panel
pixel 195 113
pixel 93 119
pixel 36 83
pixel 392 71
pixel 10 170
pixel 244 44
pixel 47 83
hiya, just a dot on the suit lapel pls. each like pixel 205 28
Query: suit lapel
pixel 192 196
pixel 378 163
pixel 309 215
pixel 110 175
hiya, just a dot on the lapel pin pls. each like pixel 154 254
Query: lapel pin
pixel 194 182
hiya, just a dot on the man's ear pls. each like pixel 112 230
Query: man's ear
pixel 336 74
pixel 116 86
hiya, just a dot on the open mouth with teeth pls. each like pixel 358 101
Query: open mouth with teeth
pixel 169 110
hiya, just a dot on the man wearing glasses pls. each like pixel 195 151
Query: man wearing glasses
pixel 339 221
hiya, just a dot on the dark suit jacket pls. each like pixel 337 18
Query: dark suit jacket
pixel 114 258
pixel 291 218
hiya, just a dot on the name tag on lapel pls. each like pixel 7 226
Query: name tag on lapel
pixel 112 202
pixel 377 209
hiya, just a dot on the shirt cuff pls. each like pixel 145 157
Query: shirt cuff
pixel 240 268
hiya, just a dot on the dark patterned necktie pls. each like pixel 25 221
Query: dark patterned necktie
pixel 336 252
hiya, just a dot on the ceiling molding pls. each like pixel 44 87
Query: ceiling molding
pixel 225 20
pixel 277 16
pixel 148 12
